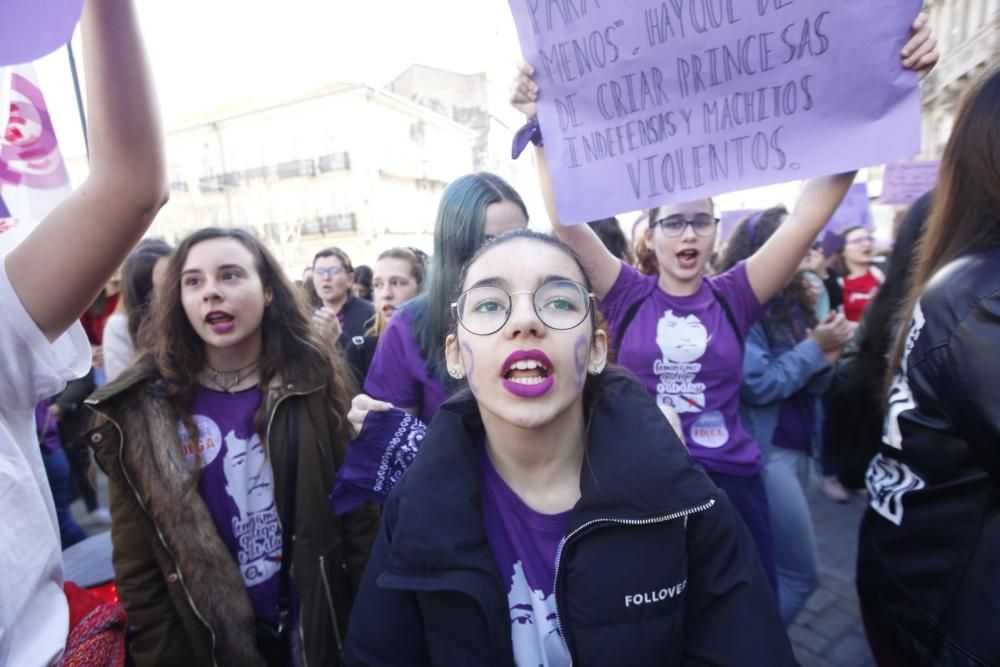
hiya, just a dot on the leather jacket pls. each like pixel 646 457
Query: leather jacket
pixel 930 540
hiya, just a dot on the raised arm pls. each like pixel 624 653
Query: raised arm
pixel 772 266
pixel 602 267
pixel 58 270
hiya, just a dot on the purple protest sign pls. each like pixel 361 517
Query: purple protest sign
pixel 906 182
pixel 854 211
pixel 729 219
pixel 30 29
pixel 649 101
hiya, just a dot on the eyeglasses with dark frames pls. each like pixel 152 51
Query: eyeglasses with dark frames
pixel 673 226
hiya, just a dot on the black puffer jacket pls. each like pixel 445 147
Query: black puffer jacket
pixel 648 520
pixel 930 541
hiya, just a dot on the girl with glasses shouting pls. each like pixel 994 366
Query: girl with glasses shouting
pixel 662 324
pixel 549 473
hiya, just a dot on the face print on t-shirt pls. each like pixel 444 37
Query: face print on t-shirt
pixel 249 480
pixel 237 481
pixel 533 622
pixel 682 342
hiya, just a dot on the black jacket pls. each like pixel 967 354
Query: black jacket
pixel 358 314
pixel 930 541
pixel 648 519
pixel 359 352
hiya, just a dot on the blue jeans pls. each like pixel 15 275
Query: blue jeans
pixel 57 470
pixel 786 474
pixel 748 496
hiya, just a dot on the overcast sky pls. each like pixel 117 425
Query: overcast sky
pixel 208 53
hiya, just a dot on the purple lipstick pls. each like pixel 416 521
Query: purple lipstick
pixel 528 374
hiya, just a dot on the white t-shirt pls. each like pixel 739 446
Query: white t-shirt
pixel 34 617
pixel 116 346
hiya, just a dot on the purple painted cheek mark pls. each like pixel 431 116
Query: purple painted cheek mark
pixel 469 361
pixel 580 358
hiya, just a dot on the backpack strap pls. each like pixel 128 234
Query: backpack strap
pixel 729 313
pixel 627 320
pixel 634 308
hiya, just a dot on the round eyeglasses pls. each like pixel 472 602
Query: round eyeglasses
pixel 703 224
pixel 559 304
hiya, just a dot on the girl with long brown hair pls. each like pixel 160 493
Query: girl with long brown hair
pixel 221 444
pixel 930 539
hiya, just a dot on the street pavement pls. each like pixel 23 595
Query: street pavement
pixel 828 632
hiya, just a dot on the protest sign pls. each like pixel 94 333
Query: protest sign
pixel 646 102
pixel 854 211
pixel 906 182
pixel 729 219
pixel 33 177
pixel 30 29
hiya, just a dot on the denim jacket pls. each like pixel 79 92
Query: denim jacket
pixel 775 367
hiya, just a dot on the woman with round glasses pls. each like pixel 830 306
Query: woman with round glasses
pixel 661 325
pixel 552 517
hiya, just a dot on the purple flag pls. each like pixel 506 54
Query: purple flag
pixel 906 182
pixel 653 101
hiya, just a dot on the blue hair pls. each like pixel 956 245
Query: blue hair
pixel 458 234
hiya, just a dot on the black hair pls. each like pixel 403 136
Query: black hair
pixel 613 238
pixel 855 401
pixel 137 283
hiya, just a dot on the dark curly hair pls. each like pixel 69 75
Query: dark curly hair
pixel 794 307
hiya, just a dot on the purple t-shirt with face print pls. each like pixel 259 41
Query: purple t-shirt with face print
pixel 238 487
pixel 398 373
pixel 524 543
pixel 686 352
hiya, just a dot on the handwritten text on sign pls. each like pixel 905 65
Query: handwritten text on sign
pixel 645 102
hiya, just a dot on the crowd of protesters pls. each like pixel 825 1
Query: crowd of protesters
pixel 524 448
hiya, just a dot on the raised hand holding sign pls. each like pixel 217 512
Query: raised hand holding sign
pixel 648 102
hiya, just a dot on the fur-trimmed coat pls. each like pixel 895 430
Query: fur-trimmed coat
pixel 180 586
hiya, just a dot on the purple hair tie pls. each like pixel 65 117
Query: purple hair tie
pixel 530 132
pixel 752 224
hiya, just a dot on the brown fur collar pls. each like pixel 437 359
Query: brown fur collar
pixel 156 467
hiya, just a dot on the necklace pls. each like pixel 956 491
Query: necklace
pixel 226 380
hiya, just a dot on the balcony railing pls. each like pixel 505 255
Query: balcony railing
pixel 292 169
pixel 340 222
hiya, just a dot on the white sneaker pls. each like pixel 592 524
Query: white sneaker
pixel 100 516
pixel 834 490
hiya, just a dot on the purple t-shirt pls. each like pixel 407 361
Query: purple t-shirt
pixel 237 485
pixel 524 543
pixel 47 427
pixel 686 352
pixel 398 373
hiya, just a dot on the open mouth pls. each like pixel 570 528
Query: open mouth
pixel 220 322
pixel 388 310
pixel 688 258
pixel 527 374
